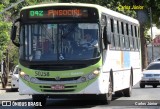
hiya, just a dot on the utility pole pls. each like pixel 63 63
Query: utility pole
pixel 151 33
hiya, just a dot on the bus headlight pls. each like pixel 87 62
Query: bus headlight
pixel 83 79
pixel 90 76
pixel 28 78
pixel 33 80
pixel 21 74
pixel 93 74
pixel 24 76
pixel 96 72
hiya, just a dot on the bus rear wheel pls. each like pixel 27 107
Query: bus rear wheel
pixel 39 98
pixel 118 93
pixel 128 92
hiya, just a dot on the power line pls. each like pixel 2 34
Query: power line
pixel 11 6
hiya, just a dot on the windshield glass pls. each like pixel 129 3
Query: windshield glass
pixel 48 42
pixel 155 66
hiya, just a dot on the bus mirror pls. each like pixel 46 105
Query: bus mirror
pixel 13 35
pixel 106 37
pixel 13 32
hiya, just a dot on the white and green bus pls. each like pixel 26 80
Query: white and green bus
pixel 54 62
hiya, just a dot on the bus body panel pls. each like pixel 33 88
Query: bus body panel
pixel 99 86
pixel 121 62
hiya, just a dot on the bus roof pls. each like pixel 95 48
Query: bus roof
pixel 101 9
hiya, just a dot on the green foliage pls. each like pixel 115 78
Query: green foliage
pixel 13 53
pixel 111 4
pixel 4 33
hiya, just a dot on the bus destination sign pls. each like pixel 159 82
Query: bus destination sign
pixel 58 13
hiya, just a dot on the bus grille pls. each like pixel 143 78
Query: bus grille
pixel 60 79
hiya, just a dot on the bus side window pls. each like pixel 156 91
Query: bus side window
pixel 137 38
pixel 122 42
pixel 116 34
pixel 126 32
pixel 131 38
pixel 108 29
pixel 112 33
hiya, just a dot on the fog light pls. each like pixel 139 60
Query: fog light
pixel 33 80
pixel 91 76
pixel 83 79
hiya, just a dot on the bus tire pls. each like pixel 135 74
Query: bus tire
pixel 128 91
pixel 118 93
pixel 108 96
pixel 39 98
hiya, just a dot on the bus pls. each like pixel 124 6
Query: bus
pixel 54 62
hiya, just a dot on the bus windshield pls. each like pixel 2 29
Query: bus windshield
pixel 59 41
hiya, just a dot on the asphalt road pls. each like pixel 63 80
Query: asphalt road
pixel 147 98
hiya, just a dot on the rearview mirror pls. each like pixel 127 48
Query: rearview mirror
pixel 13 32
pixel 108 37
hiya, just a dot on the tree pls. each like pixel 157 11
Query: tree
pixel 4 33
pixel 145 22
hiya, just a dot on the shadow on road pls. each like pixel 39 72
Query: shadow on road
pixel 70 103
pixel 146 87
pixel 8 90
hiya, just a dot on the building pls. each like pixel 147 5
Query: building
pixel 155 44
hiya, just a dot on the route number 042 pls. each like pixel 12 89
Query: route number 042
pixel 36 13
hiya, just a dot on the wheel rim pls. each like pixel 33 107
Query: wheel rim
pixel 110 90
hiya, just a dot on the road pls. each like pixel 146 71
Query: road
pixel 140 98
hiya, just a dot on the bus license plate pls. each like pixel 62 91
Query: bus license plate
pixel 57 87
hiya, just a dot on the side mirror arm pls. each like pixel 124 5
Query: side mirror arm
pixel 16 44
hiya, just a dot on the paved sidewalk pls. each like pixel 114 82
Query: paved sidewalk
pixel 1 89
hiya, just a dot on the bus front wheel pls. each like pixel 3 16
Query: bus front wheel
pixel 39 98
pixel 108 96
